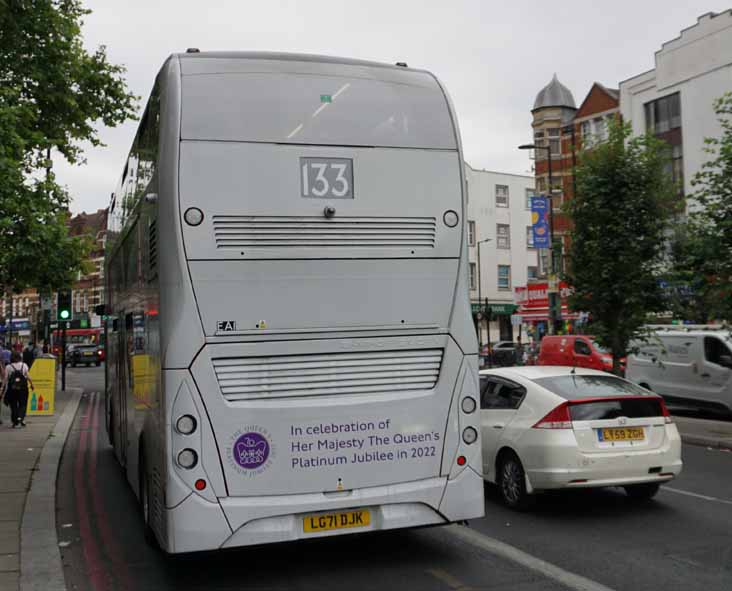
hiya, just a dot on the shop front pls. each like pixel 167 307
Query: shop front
pixel 533 310
pixel 493 319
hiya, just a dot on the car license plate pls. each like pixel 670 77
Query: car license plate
pixel 88 353
pixel 621 434
pixel 340 520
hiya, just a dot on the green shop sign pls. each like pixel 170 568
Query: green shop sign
pixel 496 309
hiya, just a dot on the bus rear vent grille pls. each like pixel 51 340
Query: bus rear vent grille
pixel 317 232
pixel 286 376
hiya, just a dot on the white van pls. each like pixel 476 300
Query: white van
pixel 692 366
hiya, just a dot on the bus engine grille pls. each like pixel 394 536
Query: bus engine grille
pixel 233 231
pixel 286 376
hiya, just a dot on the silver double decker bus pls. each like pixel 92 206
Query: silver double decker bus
pixel 290 350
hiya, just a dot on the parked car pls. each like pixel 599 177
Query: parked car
pixel 555 427
pixel 692 367
pixel 575 351
pixel 504 353
pixel 86 354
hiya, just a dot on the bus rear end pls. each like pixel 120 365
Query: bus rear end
pixel 335 388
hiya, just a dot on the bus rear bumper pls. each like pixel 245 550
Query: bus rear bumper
pixel 198 525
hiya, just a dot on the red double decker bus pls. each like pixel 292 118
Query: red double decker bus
pixel 78 336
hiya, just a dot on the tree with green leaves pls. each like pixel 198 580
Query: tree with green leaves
pixel 53 95
pixel 706 250
pixel 620 216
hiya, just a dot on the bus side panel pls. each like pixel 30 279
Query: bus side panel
pixel 180 327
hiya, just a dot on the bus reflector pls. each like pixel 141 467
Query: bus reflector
pixel 461 460
pixel 200 484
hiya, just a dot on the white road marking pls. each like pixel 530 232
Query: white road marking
pixel 678 491
pixel 551 571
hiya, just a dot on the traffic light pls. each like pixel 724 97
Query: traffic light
pixel 63 305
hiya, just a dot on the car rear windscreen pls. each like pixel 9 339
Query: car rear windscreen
pixel 573 387
pixel 630 400
pixel 408 110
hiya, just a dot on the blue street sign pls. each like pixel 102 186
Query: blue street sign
pixel 540 222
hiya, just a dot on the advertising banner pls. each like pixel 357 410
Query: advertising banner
pixel 540 221
pixel 42 397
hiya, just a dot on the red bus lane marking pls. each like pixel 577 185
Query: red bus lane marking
pixel 101 517
pixel 89 547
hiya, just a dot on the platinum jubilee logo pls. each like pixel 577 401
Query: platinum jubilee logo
pixel 250 451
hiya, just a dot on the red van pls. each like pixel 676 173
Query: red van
pixel 574 350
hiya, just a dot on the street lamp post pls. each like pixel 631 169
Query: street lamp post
pixel 553 295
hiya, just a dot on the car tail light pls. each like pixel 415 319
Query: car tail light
pixel 556 419
pixel 666 415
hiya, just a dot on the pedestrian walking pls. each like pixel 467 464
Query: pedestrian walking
pixel 29 354
pixel 16 385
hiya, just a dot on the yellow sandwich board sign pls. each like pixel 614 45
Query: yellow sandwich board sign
pixel 42 396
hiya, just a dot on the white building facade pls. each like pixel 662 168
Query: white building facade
pixel 675 100
pixel 499 224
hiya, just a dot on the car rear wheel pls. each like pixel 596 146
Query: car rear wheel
pixel 512 482
pixel 642 492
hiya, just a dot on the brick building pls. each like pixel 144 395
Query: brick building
pixel 559 124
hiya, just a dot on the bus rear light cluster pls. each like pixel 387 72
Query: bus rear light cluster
pixel 187 459
pixel 470 435
pixel 468 405
pixel 186 424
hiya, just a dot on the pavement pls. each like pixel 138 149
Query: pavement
pixel 705 432
pixel 28 462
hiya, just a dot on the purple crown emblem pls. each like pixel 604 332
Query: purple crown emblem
pixel 251 450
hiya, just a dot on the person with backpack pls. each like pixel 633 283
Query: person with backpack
pixel 17 381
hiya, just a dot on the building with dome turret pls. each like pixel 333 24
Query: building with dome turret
pixel 559 124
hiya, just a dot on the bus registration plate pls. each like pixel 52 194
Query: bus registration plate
pixel 339 520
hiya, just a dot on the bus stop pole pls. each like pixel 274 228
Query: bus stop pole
pixel 63 357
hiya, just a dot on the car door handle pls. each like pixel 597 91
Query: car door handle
pixel 706 375
pixel 498 426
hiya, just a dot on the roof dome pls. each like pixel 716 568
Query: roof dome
pixel 554 94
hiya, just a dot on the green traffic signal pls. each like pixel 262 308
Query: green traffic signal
pixel 63 305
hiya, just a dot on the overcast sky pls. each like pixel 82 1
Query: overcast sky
pixel 492 56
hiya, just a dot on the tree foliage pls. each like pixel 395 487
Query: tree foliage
pixel 53 95
pixel 621 211
pixel 705 250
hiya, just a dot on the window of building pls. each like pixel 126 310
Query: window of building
pixel 529 237
pixel 529 194
pixel 543 261
pixel 503 236
pixel 472 276
pixel 532 273
pixel 553 132
pixel 663 114
pixel 501 195
pixel 677 166
pixel 471 233
pixel 600 128
pixel 555 147
pixel 504 277
pixel 541 185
